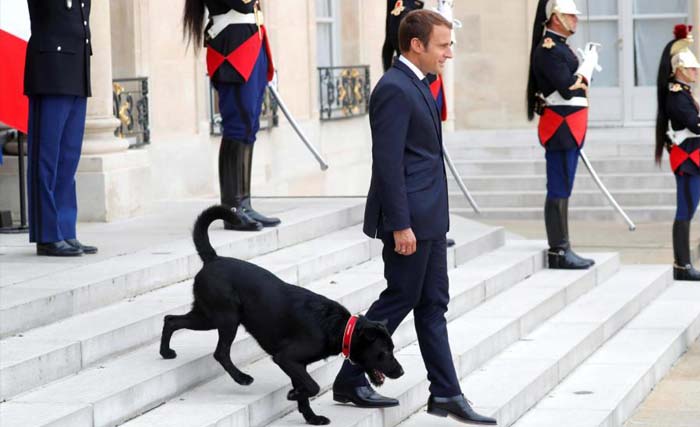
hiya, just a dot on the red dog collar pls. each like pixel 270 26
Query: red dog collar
pixel 347 336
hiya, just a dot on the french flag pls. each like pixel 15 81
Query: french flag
pixel 14 33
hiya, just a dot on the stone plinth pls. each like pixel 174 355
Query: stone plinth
pixel 110 186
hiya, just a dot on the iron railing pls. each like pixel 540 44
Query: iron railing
pixel 130 104
pixel 269 116
pixel 344 91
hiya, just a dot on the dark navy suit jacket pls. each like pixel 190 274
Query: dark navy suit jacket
pixel 409 186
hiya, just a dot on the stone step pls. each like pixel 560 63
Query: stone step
pixel 514 381
pixel 521 260
pixel 606 388
pixel 639 214
pixel 51 352
pixel 528 136
pixel 661 180
pixel 580 198
pixel 45 299
pixel 507 168
pixel 464 150
pixel 476 337
pixel 121 388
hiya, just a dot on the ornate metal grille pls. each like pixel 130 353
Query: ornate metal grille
pixel 269 116
pixel 344 91
pixel 130 102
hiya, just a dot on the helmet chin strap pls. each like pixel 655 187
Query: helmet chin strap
pixel 564 22
pixel 685 75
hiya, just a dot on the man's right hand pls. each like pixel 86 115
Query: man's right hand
pixel 405 242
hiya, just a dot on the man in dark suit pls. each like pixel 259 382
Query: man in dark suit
pixel 57 82
pixel 407 208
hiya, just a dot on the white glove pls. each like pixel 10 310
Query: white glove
pixel 590 57
pixel 445 8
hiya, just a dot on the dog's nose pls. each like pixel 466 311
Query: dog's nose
pixel 400 372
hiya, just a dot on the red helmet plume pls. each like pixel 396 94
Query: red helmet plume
pixel 681 31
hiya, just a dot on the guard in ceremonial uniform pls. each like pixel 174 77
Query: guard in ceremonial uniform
pixel 57 82
pixel 396 11
pixel 239 64
pixel 678 131
pixel 558 92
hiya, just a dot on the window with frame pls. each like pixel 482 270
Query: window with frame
pixel 653 29
pixel 327 33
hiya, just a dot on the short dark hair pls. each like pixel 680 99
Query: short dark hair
pixel 418 24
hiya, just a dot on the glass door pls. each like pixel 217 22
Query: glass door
pixel 601 22
pixel 632 33
pixel 651 28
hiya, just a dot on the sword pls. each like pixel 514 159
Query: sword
pixel 584 158
pixel 605 191
pixel 458 178
pixel 273 90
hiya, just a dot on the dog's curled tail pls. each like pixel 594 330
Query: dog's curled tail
pixel 200 235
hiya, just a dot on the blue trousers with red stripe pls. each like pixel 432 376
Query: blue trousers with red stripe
pixel 687 196
pixel 55 138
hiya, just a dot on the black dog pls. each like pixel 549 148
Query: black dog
pixel 292 324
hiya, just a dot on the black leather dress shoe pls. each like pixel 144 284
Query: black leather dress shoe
pixel 60 248
pixel 85 248
pixel 450 243
pixel 459 409
pixel 363 397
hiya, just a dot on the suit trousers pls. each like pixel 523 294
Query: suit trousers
pixel 418 282
pixel 55 139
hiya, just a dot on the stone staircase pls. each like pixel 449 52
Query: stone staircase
pixel 532 346
pixel 505 171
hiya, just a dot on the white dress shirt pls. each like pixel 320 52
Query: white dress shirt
pixel 413 67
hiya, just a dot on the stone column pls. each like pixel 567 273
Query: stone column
pixel 113 181
pixel 101 123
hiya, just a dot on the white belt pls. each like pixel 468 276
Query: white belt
pixel 555 100
pixel 220 22
pixel 678 136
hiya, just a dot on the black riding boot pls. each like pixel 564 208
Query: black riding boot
pixel 560 255
pixel 245 201
pixel 231 183
pixel 566 233
pixel 682 267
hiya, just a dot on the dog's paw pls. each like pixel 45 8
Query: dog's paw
pixel 318 420
pixel 168 353
pixel 243 379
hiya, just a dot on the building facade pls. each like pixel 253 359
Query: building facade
pixel 485 84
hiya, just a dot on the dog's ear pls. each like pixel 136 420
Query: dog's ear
pixel 373 330
pixel 369 333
